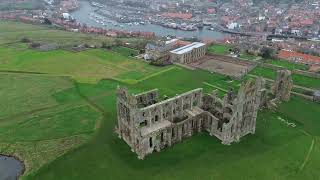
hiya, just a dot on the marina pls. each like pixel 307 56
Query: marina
pixel 86 14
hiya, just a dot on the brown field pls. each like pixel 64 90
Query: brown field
pixel 224 65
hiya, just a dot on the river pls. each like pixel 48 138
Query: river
pixel 10 168
pixel 82 16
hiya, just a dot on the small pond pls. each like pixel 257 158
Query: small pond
pixel 10 168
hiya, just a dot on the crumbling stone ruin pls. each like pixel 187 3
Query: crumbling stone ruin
pixel 281 89
pixel 316 96
pixel 147 124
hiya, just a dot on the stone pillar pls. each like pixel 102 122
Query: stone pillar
pixel 149 118
pixel 189 128
pixel 169 138
pixel 141 156
pixel 191 101
pixel 158 144
pixel 119 120
pixel 200 99
pixel 199 124
pixel 161 114
pixel 141 151
pixel 212 128
pixel 171 110
pixel 165 132
pixel 179 128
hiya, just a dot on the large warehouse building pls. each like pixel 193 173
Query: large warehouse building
pixel 189 53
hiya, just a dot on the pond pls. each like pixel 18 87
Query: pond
pixel 10 168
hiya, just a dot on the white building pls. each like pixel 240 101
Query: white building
pixel 66 15
pixel 189 53
pixel 233 26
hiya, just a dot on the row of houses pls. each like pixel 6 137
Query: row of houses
pixel 73 26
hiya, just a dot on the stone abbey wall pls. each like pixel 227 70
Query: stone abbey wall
pixel 283 85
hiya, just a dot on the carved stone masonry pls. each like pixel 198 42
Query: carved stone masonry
pixel 281 88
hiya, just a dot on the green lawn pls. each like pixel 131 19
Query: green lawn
pixel 62 123
pixel 20 92
pixel 306 114
pixel 183 79
pixel 282 149
pixel 264 72
pixel 51 124
pixel 222 49
pixel 248 57
pixel 300 80
pixel 306 81
pixel 85 66
pixel 38 121
pixel 47 111
pixel 126 51
pixel 288 65
pixel 14 31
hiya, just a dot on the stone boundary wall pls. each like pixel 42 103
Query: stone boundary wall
pixel 310 98
pixel 270 66
pixel 306 73
pixel 296 71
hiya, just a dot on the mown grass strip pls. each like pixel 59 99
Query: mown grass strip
pixel 134 81
pixel 306 159
pixel 158 73
pixel 211 85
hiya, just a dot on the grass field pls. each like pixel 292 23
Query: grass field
pixel 264 72
pixel 306 81
pixel 125 51
pixel 282 149
pixel 11 32
pixel 298 79
pixel 288 65
pixel 85 66
pixel 248 57
pixel 221 49
pixel 23 91
pixel 50 111
pixel 61 123
pixel 37 123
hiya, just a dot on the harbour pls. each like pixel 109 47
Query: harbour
pixel 86 14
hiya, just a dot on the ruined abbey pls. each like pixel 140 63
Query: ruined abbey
pixel 148 124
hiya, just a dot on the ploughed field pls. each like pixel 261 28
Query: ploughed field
pixel 58 115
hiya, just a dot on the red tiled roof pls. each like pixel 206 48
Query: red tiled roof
pixel 211 10
pixel 305 58
pixel 182 43
pixel 307 22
